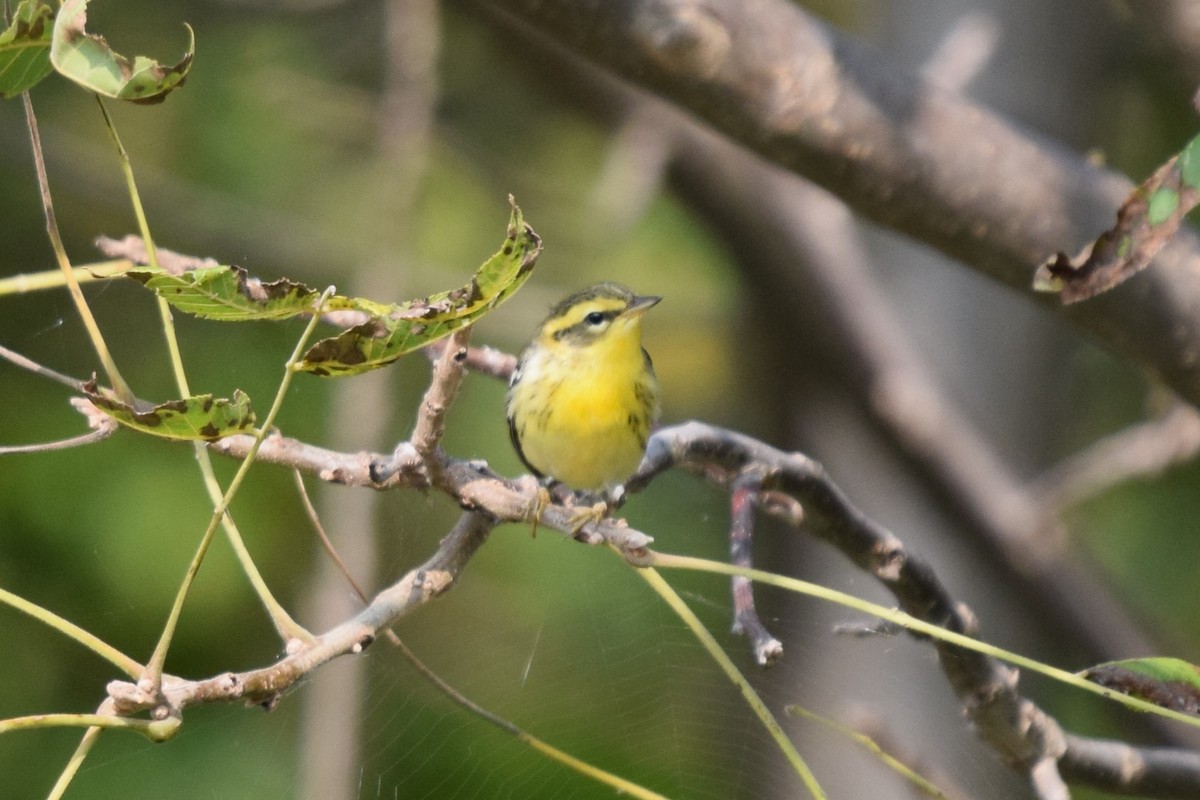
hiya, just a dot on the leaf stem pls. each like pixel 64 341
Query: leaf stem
pixel 154 667
pixel 894 616
pixel 155 729
pixel 73 631
pixel 618 783
pixel 54 278
pixel 681 609
pixel 284 624
pixel 124 393
pixel 90 737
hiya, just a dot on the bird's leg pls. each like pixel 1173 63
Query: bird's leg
pixel 541 501
pixel 585 507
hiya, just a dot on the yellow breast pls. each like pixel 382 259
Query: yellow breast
pixel 582 415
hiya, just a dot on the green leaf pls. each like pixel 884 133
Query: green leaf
pixel 414 324
pixel 1146 221
pixel 1167 682
pixel 88 60
pixel 199 417
pixel 25 48
pixel 231 295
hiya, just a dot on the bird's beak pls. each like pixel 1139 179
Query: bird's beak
pixel 641 305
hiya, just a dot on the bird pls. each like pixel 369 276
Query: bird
pixel 584 397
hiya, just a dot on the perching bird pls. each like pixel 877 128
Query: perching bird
pixel 584 395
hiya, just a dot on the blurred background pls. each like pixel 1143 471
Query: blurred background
pixel 372 146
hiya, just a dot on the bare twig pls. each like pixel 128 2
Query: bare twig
pixel 98 435
pixel 37 369
pixel 265 685
pixel 484 360
pixel 963 52
pixel 1140 451
pixel 470 483
pixel 447 377
pixel 314 519
pixel 742 502
pixel 1126 769
pixel 1047 783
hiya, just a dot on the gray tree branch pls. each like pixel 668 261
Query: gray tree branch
pixel 896 148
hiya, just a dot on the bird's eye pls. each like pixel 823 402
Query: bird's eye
pixel 594 318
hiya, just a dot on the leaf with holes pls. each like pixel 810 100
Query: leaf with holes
pixel 231 295
pixel 25 48
pixel 200 417
pixel 86 59
pixel 1146 221
pixel 414 324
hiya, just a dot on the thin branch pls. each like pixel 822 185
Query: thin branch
pixel 742 502
pixel 447 378
pixel 1046 782
pixel 314 519
pixel 1016 728
pixel 1137 452
pixel 133 248
pixel 1123 768
pixel 37 369
pixel 265 685
pixel 471 483
pixel 98 435
pixel 483 360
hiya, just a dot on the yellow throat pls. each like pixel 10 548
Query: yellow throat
pixel 584 396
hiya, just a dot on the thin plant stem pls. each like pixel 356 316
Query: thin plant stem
pixel 56 278
pixel 124 393
pixel 681 609
pixel 618 783
pixel 156 730
pixel 315 520
pixel 90 737
pixel 287 627
pixel 668 561
pixel 919 781
pixel 69 629
pixel 154 667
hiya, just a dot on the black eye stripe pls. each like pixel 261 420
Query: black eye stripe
pixel 589 326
